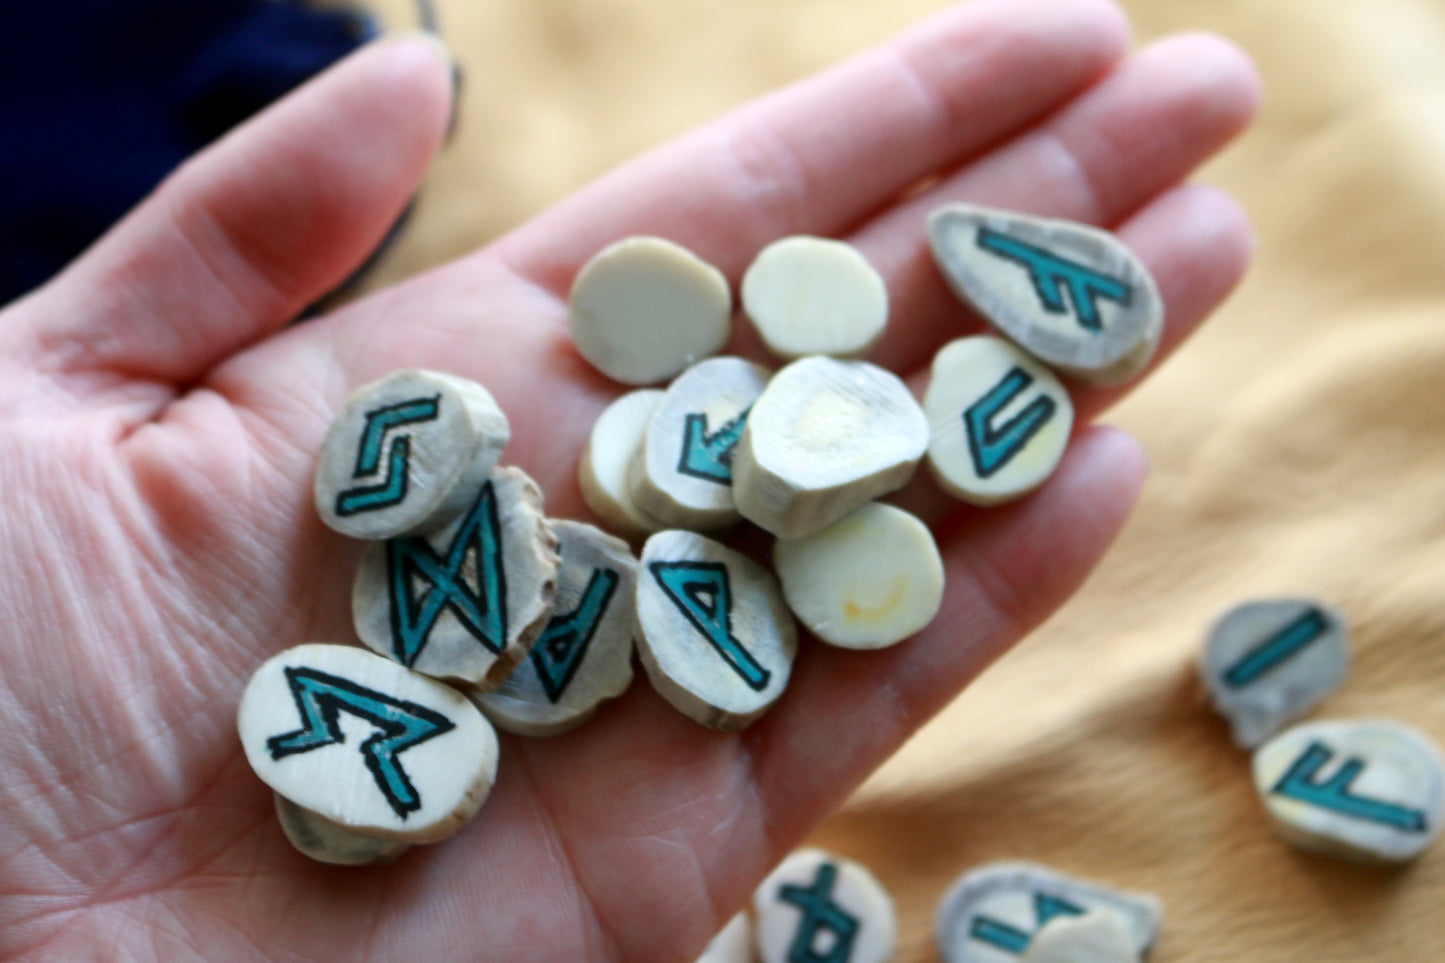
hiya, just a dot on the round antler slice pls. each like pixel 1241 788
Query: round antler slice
pixel 869 580
pixel 732 944
pixel 713 631
pixel 684 472
pixel 1071 295
pixel 1098 936
pixel 584 655
pixel 645 308
pixel 815 899
pixel 1267 662
pixel 405 454
pixel 615 443
pixel 811 295
pixel 366 743
pixel 999 421
pixel 316 837
pixel 467 602
pixel 992 912
pixel 824 438
pixel 1371 790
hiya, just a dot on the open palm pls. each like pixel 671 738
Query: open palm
pixel 159 430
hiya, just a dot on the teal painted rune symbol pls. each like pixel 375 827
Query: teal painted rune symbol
pixel 1334 793
pixel 400 725
pixel 391 490
pixel 480 609
pixel 1011 939
pixel 823 920
pixel 710 456
pixel 703 593
pixel 1279 648
pixel 1053 275
pixel 994 446
pixel 564 642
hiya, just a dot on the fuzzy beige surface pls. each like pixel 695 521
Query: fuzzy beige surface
pixel 1298 446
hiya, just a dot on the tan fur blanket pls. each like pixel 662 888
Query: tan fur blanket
pixel 1298 446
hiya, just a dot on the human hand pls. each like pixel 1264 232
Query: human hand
pixel 160 430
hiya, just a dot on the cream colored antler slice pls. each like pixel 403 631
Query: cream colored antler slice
pixel 316 837
pixel 366 743
pixel 1071 295
pixel 683 473
pixel 998 420
pixel 584 655
pixel 820 901
pixel 1269 661
pixel 405 453
pixel 467 602
pixel 732 944
pixel 613 445
pixel 811 295
pixel 869 580
pixel 1370 790
pixel 824 438
pixel 1096 937
pixel 645 308
pixel 713 631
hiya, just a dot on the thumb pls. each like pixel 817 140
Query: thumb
pixel 249 232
